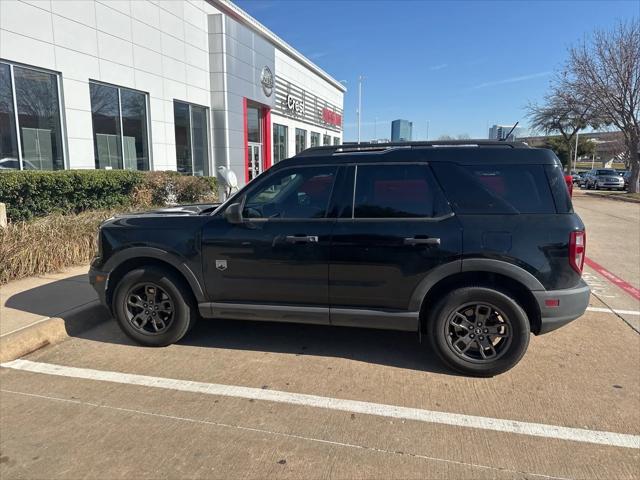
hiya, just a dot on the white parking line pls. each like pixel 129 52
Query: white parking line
pixel 615 310
pixel 353 406
pixel 518 473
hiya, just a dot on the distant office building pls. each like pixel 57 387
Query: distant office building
pixel 401 131
pixel 380 140
pixel 500 132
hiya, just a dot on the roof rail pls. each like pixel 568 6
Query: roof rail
pixel 386 147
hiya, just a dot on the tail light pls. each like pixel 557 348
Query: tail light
pixel 577 250
pixel 569 181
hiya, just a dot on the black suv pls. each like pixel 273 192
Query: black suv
pixel 472 245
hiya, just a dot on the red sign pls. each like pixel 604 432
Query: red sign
pixel 331 117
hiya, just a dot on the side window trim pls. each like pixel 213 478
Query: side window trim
pixel 435 182
pixel 259 184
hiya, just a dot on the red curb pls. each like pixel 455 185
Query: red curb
pixel 617 281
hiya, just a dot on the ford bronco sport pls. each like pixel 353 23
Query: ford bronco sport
pixel 473 245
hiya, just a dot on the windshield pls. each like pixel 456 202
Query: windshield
pixel 606 172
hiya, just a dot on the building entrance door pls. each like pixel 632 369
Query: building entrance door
pixel 255 160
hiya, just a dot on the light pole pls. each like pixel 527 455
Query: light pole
pixel 427 130
pixel 359 111
pixel 575 154
pixel 375 128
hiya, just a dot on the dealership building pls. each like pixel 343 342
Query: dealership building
pixel 168 85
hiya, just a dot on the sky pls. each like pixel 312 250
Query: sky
pixel 461 66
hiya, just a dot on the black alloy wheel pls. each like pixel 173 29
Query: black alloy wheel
pixel 478 332
pixel 149 309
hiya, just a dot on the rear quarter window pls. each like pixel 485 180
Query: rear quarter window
pixel 496 189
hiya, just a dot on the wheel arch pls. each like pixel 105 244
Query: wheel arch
pixel 120 264
pixel 499 281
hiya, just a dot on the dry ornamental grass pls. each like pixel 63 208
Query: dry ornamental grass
pixel 49 244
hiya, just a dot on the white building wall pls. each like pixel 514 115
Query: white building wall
pixel 291 70
pixel 160 48
pixel 237 57
pixel 185 50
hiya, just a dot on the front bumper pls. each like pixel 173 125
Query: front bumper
pixel 609 184
pixel 572 303
pixel 98 280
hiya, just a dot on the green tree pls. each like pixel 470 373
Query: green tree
pixel 564 149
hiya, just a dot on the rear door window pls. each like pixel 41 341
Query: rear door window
pixel 397 191
pixel 497 189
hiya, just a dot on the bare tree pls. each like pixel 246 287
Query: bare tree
pixel 560 113
pixel 604 73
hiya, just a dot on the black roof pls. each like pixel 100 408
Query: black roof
pixel 376 147
pixel 463 152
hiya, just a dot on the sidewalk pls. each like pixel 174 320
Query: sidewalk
pixel 43 310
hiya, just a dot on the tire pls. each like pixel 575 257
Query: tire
pixel 506 318
pixel 153 307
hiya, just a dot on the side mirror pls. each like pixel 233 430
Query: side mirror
pixel 233 213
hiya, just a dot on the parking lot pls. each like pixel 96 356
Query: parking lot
pixel 257 400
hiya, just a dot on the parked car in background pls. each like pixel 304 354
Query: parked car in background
pixel 471 248
pixel 603 178
pixel 575 176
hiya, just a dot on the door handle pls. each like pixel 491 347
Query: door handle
pixel 421 241
pixel 301 239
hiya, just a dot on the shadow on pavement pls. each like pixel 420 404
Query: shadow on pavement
pixel 52 298
pixel 386 347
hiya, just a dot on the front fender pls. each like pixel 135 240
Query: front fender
pixel 172 259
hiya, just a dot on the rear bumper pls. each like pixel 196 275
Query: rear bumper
pixel 572 304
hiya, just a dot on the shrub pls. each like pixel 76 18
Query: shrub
pixel 30 194
pixel 48 244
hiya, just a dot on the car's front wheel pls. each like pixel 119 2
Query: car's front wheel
pixel 153 306
pixel 478 331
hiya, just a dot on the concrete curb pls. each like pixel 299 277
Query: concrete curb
pixel 613 197
pixel 50 331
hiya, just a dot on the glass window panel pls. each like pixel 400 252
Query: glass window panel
pixel 200 143
pixel 279 142
pixel 301 140
pixel 397 191
pixel 326 140
pixel 134 130
pixel 253 124
pixel 292 193
pixel 336 140
pixel 183 137
pixel 39 119
pixel 8 136
pixel 315 139
pixel 105 114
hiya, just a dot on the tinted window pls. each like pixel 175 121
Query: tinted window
pixel 396 191
pixel 292 193
pixel 559 188
pixel 253 125
pixel 301 140
pixel 501 189
pixel 8 137
pixel 280 141
pixel 119 118
pixel 38 119
pixel 606 172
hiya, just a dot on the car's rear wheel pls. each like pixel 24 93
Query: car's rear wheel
pixel 153 306
pixel 478 331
